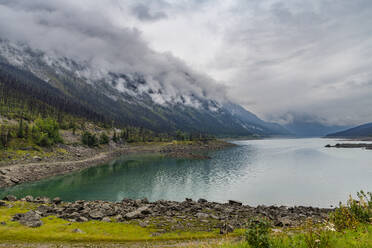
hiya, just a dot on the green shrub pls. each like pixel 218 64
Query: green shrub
pixel 45 132
pixel 316 237
pixel 104 139
pixel 89 139
pixel 257 233
pixel 44 140
pixel 354 212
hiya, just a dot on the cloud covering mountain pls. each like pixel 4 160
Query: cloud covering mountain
pixel 275 57
pixel 87 32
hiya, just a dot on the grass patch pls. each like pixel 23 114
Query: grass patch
pixel 58 230
pixel 359 238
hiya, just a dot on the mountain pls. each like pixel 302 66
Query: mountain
pixel 126 98
pixel 364 130
pixel 304 125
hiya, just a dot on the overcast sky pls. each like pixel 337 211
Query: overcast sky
pixel 275 57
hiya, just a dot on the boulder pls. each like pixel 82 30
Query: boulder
pixel 44 209
pixel 226 228
pixel 237 203
pixel 3 204
pixel 138 213
pixel 10 198
pixel 96 214
pixel 106 219
pixel 202 215
pixel 29 198
pixel 29 219
pixel 82 219
pixel 37 158
pixel 57 200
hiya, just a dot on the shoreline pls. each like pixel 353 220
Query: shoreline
pixel 190 215
pixel 20 172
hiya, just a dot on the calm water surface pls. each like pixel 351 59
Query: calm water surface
pixel 279 171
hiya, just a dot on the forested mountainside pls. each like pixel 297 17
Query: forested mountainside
pixel 364 130
pixel 33 81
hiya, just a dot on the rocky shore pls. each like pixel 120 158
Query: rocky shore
pixel 19 172
pixel 192 151
pixel 367 146
pixel 165 216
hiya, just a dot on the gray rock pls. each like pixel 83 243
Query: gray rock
pixel 29 198
pixel 57 200
pixel 14 180
pixel 37 158
pixel 77 230
pixel 44 209
pixel 202 215
pixel 238 203
pixel 10 198
pixel 226 228
pixel 82 219
pixel 3 204
pixel 30 219
pixel 138 213
pixel 96 214
pixel 201 200
pixel 106 219
pixel 3 223
pixel 118 218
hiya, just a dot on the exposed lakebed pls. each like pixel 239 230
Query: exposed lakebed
pixel 279 171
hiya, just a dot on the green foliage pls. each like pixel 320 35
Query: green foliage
pixel 316 237
pixel 354 212
pixel 20 133
pixel 104 139
pixel 257 233
pixel 89 139
pixel 46 132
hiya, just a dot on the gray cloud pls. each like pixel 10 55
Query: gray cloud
pixel 144 13
pixel 275 57
pixel 91 31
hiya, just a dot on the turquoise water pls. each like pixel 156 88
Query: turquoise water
pixel 279 171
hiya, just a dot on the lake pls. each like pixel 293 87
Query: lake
pixel 271 172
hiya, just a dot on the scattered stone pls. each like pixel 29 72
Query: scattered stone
pixel 10 198
pixel 226 228
pixel 14 180
pixel 77 230
pixel 3 223
pixel 232 202
pixel 29 219
pixel 96 214
pixel 142 224
pixel 171 215
pixel 202 215
pixel 3 204
pixel 29 198
pixel 57 200
pixel 37 158
pixel 106 219
pixel 82 219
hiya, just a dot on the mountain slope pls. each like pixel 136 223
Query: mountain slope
pixel 311 129
pixel 364 130
pixel 127 99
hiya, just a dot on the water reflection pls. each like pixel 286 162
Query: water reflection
pixel 282 172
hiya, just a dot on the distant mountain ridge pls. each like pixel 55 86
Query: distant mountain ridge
pixel 128 99
pixel 361 131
